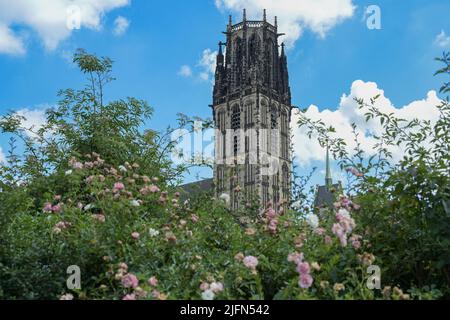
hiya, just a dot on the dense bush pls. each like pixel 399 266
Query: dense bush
pixel 106 201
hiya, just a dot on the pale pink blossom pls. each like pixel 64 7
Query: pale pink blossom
pixel 153 282
pixel 129 297
pixel 306 281
pixel 251 262
pixel 154 189
pixel 57 208
pixel 123 266
pixel 216 287
pixel 337 230
pixel 48 207
pixel 130 281
pixel 271 214
pixel 67 296
pixel 135 235
pixel 295 257
pixel 119 186
pixel 303 267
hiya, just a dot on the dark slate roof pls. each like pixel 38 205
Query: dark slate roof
pixel 325 197
pixel 197 187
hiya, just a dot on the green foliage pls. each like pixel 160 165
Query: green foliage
pixel 405 205
pixel 93 189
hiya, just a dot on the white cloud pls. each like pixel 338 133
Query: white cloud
pixel 9 43
pixel 121 25
pixel 185 71
pixel 442 40
pixel 2 156
pixel 34 119
pixel 294 16
pixel 308 150
pixel 207 64
pixel 52 20
pixel 205 68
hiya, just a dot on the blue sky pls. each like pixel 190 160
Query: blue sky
pixel 163 36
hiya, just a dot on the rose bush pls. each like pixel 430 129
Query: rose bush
pixel 106 201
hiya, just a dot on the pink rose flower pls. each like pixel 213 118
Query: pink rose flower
pixel 56 208
pixel 337 230
pixel 153 282
pixel 356 244
pixel 130 281
pixel 306 281
pixel 123 266
pixel 48 207
pixel 295 257
pixel 154 189
pixel 119 186
pixel 303 268
pixel 135 235
pixel 129 297
pixel 270 214
pixel 216 287
pixel 251 262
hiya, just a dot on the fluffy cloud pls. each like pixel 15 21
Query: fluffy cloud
pixel 185 71
pixel 34 119
pixel 308 150
pixel 296 15
pixel 204 69
pixel 52 20
pixel 121 25
pixel 207 64
pixel 442 40
pixel 9 43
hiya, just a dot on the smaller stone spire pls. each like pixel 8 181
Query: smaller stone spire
pixel 276 22
pixel 283 54
pixel 328 179
pixel 265 15
pixel 244 15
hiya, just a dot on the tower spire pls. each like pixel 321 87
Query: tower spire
pixel 265 15
pixel 245 15
pixel 328 179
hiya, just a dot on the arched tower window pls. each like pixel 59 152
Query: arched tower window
pixel 264 112
pixel 221 120
pixel 236 118
pixel 285 172
pixel 274 117
pixel 238 56
pixel 248 113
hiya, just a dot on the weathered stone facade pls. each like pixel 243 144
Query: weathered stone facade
pixel 252 112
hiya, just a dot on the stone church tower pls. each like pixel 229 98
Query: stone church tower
pixel 252 111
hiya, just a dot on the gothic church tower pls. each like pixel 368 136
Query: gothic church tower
pixel 252 111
